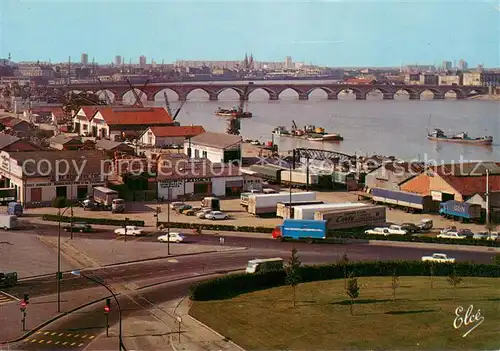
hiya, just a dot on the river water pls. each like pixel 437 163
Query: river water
pixel 374 126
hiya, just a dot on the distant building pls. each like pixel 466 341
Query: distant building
pixel 471 78
pixel 85 59
pixel 446 66
pixel 118 60
pixel 449 80
pixel 288 62
pixel 142 62
pixel 463 65
pixel 217 147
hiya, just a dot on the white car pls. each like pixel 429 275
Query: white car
pixel 173 237
pixel 486 236
pixel 129 230
pixel 378 231
pixel 216 215
pixel 451 235
pixel 397 229
pixel 177 204
pixel 438 257
pixel 449 229
pixel 203 212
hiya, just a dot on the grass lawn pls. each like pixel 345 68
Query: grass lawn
pixel 419 318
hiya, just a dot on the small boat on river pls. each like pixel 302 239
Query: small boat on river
pixel 234 112
pixel 463 138
pixel 310 133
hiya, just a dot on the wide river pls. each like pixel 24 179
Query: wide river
pixel 369 127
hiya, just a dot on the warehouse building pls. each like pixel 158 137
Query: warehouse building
pixel 39 177
pixel 181 178
pixel 216 147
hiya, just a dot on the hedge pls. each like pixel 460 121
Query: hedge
pixel 102 221
pixel 221 227
pixel 232 285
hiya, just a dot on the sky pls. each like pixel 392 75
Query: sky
pixel 332 33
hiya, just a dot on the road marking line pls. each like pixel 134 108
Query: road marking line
pixel 76 335
pixel 64 343
pixel 61 334
pixel 46 333
pixel 34 340
pixel 9 295
pixel 69 334
pixel 73 344
pixel 91 337
pixel 41 341
pixel 84 336
pixel 80 345
pixel 49 341
pixel 53 334
pixel 39 332
pixel 57 342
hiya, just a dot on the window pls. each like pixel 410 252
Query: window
pixel 196 153
pixel 205 154
pixel 150 140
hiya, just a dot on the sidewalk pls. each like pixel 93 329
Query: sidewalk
pixel 155 328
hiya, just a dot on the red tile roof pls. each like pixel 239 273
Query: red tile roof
pixel 177 131
pixel 469 178
pixel 135 116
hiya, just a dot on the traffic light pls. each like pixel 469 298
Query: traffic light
pixel 107 308
pixel 26 299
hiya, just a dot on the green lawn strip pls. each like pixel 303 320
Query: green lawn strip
pixel 420 318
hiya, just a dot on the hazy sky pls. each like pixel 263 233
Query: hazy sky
pixel 335 33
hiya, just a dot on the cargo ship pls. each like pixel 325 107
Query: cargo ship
pixel 310 133
pixel 463 138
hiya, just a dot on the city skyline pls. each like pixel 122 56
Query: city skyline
pixel 320 39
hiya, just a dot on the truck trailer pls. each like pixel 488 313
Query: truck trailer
pixel 460 211
pixel 350 218
pixel 299 178
pixel 283 208
pixel 298 229
pixel 410 202
pixel 271 173
pixel 260 204
pixel 104 198
pixel 307 211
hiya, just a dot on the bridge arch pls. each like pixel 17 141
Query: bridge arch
pixel 238 91
pixel 298 92
pixel 348 93
pixel 327 91
pixel 128 96
pixel 271 94
pixel 103 92
pixel 199 89
pixel 170 94
pixel 429 93
pixel 459 94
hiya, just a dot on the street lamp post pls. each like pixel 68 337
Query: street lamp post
pixel 78 274
pixel 58 278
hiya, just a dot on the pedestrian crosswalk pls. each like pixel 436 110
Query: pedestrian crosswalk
pixel 6 298
pixel 58 339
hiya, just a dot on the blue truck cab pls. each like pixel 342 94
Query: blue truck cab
pixel 301 229
pixel 15 209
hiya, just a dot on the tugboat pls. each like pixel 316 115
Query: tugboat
pixel 311 133
pixel 234 112
pixel 237 112
pixel 463 137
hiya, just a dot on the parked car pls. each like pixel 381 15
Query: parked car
pixel 78 227
pixel 173 237
pixel 203 212
pixel 183 208
pixel 438 257
pixel 397 229
pixel 486 236
pixel 214 215
pixel 410 228
pixel 448 229
pixel 129 230
pixel 177 204
pixel 451 235
pixel 378 231
pixel 425 224
pixel 192 211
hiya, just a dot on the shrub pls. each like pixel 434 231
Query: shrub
pixel 232 285
pixel 101 221
pixel 59 202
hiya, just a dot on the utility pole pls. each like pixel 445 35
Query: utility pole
pixel 487 196
pixel 168 220
pixel 290 183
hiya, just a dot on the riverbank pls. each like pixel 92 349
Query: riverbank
pixel 489 97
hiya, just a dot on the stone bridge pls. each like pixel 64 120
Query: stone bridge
pixel 213 89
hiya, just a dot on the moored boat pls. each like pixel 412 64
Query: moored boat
pixel 325 137
pixel 463 138
pixel 234 112
pixel 310 133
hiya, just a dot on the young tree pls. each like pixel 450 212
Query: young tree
pixel 352 290
pixel 344 262
pixel 292 272
pixel 432 269
pixel 394 284
pixel 497 259
pixel 454 279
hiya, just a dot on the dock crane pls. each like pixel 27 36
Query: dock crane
pixel 138 102
pixel 169 110
pixel 106 96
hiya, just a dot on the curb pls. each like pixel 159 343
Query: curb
pixel 484 249
pixel 87 304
